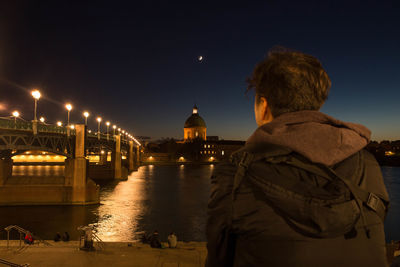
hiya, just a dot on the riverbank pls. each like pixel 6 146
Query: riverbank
pixel 112 254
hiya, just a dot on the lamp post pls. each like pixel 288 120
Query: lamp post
pixel 98 127
pixel 86 115
pixel 16 115
pixel 36 95
pixel 108 125
pixel 114 127
pixel 69 108
pixel 41 119
pixel 59 123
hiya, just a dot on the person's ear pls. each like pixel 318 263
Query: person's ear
pixel 265 111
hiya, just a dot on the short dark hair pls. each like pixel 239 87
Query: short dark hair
pixel 290 81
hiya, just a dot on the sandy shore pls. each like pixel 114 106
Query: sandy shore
pixel 112 254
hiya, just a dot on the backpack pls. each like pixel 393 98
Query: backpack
pixel 325 213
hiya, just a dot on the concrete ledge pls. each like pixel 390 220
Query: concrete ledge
pixel 114 254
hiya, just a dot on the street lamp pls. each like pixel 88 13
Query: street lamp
pixel 114 127
pixel 41 119
pixel 16 115
pixel 86 115
pixel 108 125
pixel 68 106
pixel 98 127
pixel 36 96
pixel 59 123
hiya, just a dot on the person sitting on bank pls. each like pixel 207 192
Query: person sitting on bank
pixel 155 240
pixel 57 237
pixel 65 237
pixel 172 240
pixel 29 238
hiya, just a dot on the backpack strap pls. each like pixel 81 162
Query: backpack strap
pixel 242 167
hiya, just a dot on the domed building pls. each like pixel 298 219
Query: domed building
pixel 195 127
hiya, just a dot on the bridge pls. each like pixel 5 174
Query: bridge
pixel 76 144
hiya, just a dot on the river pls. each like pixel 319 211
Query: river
pixel 163 198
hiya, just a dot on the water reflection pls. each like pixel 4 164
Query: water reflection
pixel 121 209
pixel 55 171
pixel 166 198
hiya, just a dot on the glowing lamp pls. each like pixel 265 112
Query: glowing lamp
pixel 68 107
pixel 36 94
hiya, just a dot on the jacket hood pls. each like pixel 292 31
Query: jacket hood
pixel 314 135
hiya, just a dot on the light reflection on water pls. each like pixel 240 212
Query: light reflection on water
pixel 166 198
pixel 122 208
pixel 54 171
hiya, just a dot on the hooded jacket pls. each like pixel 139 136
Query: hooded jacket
pixel 283 215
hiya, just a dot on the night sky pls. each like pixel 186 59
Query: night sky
pixel 135 62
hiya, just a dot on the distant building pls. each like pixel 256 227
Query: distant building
pixel 195 127
pixel 195 147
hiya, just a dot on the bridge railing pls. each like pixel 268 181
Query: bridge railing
pixel 110 137
pixel 10 124
pixel 18 124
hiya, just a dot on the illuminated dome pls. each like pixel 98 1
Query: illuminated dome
pixel 195 126
pixel 195 121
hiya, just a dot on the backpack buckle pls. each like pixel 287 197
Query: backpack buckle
pixel 373 201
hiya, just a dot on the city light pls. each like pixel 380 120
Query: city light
pixel 72 126
pixel 86 115
pixel 41 119
pixel 68 107
pixel 59 123
pixel 114 127
pixel 36 94
pixel 15 114
pixel 108 125
pixel 137 142
pixel 98 127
